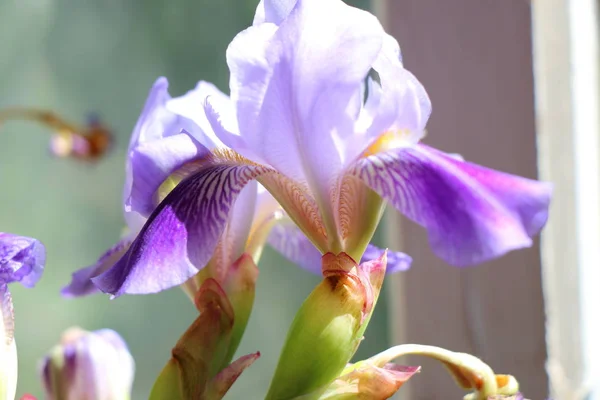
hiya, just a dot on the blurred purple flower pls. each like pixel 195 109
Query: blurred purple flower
pixel 22 260
pixel 324 115
pixel 88 365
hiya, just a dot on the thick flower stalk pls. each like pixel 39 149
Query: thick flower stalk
pixel 329 326
pixel 324 115
pixel 22 260
pixel 88 365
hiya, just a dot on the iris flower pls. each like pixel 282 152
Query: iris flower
pixel 324 115
pixel 171 136
pixel 22 260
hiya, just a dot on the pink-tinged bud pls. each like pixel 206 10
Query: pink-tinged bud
pixel 90 366
pixel 469 372
pixel 199 365
pixel 328 327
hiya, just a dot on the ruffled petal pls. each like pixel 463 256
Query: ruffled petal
pixel 182 232
pixel 81 281
pixel 273 11
pixel 472 213
pixel 163 140
pixel 290 113
pixel 22 259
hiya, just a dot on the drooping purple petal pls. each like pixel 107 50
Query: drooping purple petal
pixel 290 113
pixel 287 239
pixel 81 281
pixel 182 232
pixel 472 213
pixel 22 259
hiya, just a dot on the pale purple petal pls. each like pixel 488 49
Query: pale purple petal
pixel 292 114
pixel 290 241
pixel 237 229
pixel 273 11
pixel 472 213
pixel 182 233
pixel 191 106
pixel 162 141
pixel 22 259
pixel 81 281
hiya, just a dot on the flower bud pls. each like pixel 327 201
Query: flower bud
pixel 88 366
pixel 328 327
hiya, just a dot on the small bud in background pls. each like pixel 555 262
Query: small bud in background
pixel 89 142
pixel 88 366
pixel 328 327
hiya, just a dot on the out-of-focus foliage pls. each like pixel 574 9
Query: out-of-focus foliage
pixel 75 57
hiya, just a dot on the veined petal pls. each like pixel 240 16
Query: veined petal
pixel 81 281
pixel 472 213
pixel 22 259
pixel 292 243
pixel 290 113
pixel 182 232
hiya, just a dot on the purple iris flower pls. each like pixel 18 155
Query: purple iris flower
pixel 22 260
pixel 168 143
pixel 324 115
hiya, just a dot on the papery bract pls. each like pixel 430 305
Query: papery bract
pixel 200 364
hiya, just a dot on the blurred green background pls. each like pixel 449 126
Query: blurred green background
pixel 75 57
